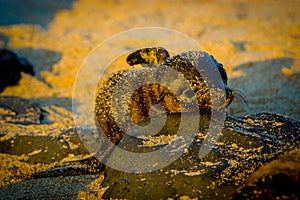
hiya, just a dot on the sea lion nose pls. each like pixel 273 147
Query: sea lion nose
pixel 229 95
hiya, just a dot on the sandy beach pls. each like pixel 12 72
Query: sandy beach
pixel 257 42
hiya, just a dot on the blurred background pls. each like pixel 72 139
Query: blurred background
pixel 258 43
pixel 31 11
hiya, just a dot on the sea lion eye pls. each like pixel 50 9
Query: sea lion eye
pixel 162 54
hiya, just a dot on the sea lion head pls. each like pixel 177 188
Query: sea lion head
pixel 152 55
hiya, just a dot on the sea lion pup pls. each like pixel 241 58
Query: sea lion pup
pixel 142 99
pixel 174 99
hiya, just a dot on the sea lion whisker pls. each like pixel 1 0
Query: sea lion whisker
pixel 240 97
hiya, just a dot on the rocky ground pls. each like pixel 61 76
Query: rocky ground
pixel 258 44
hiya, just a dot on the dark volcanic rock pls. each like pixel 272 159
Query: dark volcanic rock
pixel 11 65
pixel 279 179
pixel 237 167
pixel 48 188
pixel 245 145
pixel 17 110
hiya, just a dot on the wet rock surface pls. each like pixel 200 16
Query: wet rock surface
pixel 246 146
pixel 279 179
